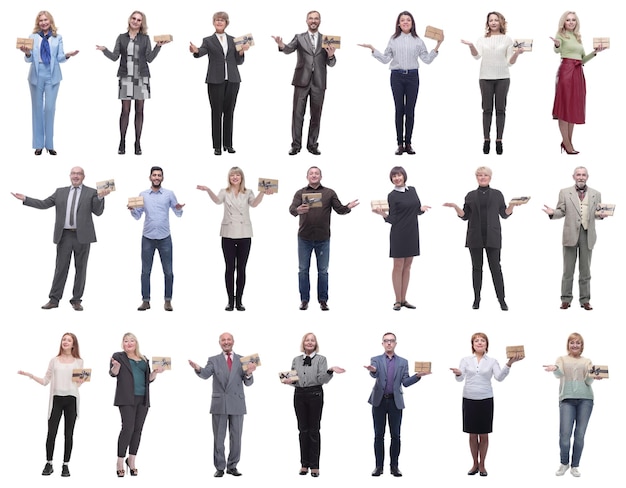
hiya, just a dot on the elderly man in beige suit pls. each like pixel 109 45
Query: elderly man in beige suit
pixel 578 204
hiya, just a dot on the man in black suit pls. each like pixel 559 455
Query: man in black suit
pixel 309 80
pixel 73 232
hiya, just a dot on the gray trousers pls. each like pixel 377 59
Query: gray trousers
pixel 494 90
pixel 234 423
pixel 67 246
pixel 570 253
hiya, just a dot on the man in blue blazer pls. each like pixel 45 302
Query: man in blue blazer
pixel 228 402
pixel 73 232
pixel 391 373
pixel 309 80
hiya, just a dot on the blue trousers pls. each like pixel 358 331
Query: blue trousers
pixel 148 246
pixel 43 96
pixel 573 411
pixel 387 411
pixel 404 87
pixel 305 249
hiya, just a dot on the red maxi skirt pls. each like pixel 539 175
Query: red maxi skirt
pixel 571 92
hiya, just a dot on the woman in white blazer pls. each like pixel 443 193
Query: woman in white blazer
pixel 236 231
pixel 44 78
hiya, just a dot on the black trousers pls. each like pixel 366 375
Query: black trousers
pixel 308 403
pixel 236 252
pixel 133 418
pixel 493 257
pixel 222 97
pixel 66 406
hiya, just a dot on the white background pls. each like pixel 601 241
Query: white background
pixel 357 143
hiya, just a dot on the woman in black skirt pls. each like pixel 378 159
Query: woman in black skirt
pixel 404 207
pixel 477 371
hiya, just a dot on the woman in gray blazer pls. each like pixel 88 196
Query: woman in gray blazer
pixel 135 52
pixel 132 397
pixel 236 231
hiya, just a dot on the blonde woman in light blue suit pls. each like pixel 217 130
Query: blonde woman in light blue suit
pixel 44 79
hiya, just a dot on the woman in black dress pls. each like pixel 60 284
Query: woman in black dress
pixel 404 207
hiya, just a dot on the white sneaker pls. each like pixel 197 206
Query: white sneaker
pixel 563 468
pixel 575 472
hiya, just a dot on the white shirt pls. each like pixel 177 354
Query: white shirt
pixel 477 376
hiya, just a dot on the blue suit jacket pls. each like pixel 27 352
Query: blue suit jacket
pixel 400 378
pixel 57 55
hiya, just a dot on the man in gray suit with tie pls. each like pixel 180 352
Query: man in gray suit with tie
pixel 391 373
pixel 228 402
pixel 579 205
pixel 73 232
pixel 309 80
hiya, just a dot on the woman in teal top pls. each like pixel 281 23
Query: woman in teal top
pixel 576 375
pixel 569 99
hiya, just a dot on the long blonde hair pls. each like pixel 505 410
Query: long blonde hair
pixel 53 27
pixel 237 171
pixel 563 32
pixel 130 335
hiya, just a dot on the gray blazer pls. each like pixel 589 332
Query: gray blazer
pixel 216 73
pixel 312 61
pixel 401 378
pixel 228 397
pixel 88 204
pixel 569 207
pixel 146 53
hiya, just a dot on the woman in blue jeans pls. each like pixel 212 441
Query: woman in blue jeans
pixel 576 375
pixel 402 52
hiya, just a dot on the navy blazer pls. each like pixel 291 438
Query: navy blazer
pixel 401 378
pixel 146 53
pixel 57 55
pixel 125 389
pixel 496 208
pixel 87 204
pixel 218 64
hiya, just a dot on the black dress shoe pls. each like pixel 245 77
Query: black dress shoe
pixel 503 305
pixel 408 149
pixel 378 471
pixel 486 147
pixel 38 152
pixel 324 306
pixel 304 305
pixel 233 471
pixel 65 471
pixel 51 152
pixel 395 471
pixel 476 306
pixel 313 150
pixel 50 305
pixel 217 151
pixel 303 471
pixel 230 307
pixel 229 149
pixel 472 471
pixel 400 151
pixel 484 473
pixel 47 470
pixel 137 149
pixel 240 307
pixel 293 151
pixel 219 473
pixel 499 147
pixel 315 474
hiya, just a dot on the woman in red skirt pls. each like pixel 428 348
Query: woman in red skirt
pixel 569 100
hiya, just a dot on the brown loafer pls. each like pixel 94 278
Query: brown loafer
pixel 586 306
pixel 324 306
pixel 50 305
pixel 77 306
pixel 304 305
pixel 565 305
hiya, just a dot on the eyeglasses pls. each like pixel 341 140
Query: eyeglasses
pixel 389 341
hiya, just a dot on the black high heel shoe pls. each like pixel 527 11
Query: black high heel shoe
pixel 133 472
pixel 486 147
pixel 137 148
pixel 229 149
pixel 51 152
pixel 122 148
pixel 38 152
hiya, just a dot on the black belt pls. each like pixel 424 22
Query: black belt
pixel 404 71
pixel 388 396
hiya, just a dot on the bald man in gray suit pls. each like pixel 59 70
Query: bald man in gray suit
pixel 73 232
pixel 228 402
pixel 578 204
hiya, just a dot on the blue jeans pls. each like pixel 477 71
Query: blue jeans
pixel 387 410
pixel 578 411
pixel 148 246
pixel 305 248
pixel 404 88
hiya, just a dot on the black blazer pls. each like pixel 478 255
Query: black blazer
pixel 146 53
pixel 216 72
pixel 495 209
pixel 125 389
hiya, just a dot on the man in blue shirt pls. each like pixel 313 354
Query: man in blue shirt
pixel 157 202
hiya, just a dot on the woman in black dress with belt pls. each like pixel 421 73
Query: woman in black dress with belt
pixel 404 207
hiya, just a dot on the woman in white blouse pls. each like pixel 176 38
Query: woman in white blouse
pixel 498 53
pixel 236 231
pixel 64 398
pixel 477 371
pixel 402 52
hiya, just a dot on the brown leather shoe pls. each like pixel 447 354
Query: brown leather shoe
pixel 400 151
pixel 565 305
pixel 168 306
pixel 304 305
pixel 144 306
pixel 324 306
pixel 50 305
pixel 77 306
pixel 586 306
